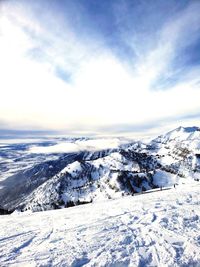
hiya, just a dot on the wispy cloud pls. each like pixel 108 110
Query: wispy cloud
pixel 91 67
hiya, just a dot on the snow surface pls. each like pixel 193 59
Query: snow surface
pixel 72 168
pixel 161 228
pixel 182 135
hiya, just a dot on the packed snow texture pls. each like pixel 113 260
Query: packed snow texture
pixel 160 228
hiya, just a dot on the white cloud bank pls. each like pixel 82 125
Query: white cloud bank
pixel 80 145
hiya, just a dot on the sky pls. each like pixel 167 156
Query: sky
pixel 99 67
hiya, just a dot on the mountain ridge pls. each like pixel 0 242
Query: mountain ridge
pixel 87 176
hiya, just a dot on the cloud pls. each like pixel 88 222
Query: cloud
pixel 77 69
pixel 80 145
pixel 164 61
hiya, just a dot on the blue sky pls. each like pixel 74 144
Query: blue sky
pixel 87 67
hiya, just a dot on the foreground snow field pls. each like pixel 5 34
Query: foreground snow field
pixel 154 229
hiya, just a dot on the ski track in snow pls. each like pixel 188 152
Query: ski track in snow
pixel 155 229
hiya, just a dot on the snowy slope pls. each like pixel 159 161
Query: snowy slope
pixel 178 152
pixel 180 134
pixel 154 229
pixel 82 181
pixel 184 137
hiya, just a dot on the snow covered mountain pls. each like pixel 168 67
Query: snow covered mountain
pixel 178 151
pixel 89 174
pixel 180 134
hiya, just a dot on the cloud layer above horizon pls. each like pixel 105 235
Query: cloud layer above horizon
pixel 99 67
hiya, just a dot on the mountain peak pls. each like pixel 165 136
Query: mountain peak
pixel 180 134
